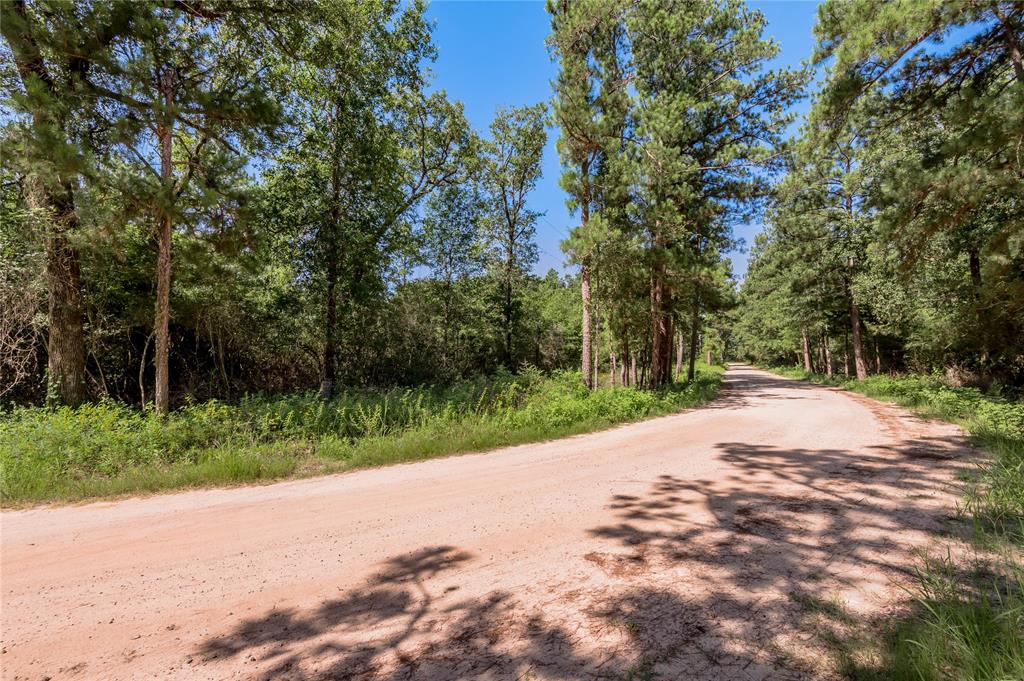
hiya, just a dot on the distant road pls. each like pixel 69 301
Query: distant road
pixel 687 546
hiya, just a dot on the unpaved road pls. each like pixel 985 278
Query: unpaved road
pixel 684 547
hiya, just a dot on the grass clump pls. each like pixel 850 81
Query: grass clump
pixel 969 623
pixel 108 448
pixel 971 626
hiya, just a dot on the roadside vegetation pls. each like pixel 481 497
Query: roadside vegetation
pixel 107 448
pixel 969 620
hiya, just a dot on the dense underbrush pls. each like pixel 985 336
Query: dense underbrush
pixel 109 448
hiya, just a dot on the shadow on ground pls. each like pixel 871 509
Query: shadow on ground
pixel 758 575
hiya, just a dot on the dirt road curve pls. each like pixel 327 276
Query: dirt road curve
pixel 685 547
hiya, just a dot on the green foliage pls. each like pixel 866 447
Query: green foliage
pixel 108 448
pixel 968 627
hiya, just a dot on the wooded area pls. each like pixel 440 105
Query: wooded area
pixel 895 240
pixel 211 199
pixel 208 199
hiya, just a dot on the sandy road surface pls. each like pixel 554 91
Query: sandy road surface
pixel 682 547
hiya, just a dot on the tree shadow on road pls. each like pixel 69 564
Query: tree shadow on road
pixel 748 577
pixel 796 553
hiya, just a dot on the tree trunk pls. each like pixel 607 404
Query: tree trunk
pixel 858 350
pixel 632 370
pixel 142 372
pixel 1010 35
pixel 161 327
pixel 829 367
pixel 694 337
pixel 332 245
pixel 666 349
pixel 846 353
pixel 65 347
pixel 330 367
pixel 614 369
pixel 510 264
pixel 975 265
pixel 66 340
pixel 585 359
pixel 626 360
pixel 679 354
pixel 659 328
pixel 807 351
pixel 878 356
pixel 595 334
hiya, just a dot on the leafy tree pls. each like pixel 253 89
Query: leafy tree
pixel 513 168
pixel 453 251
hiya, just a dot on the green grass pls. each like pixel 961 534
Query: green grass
pixel 109 449
pixel 968 621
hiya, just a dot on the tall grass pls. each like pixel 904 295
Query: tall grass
pixel 108 448
pixel 969 623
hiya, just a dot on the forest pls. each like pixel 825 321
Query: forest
pixel 212 200
pixel 894 239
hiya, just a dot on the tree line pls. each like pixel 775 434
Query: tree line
pixel 207 198
pixel 671 126
pixel 896 236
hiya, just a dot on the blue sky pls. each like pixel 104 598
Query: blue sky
pixel 492 54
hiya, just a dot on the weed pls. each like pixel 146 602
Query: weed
pixel 108 448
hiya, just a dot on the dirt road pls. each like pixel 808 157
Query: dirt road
pixel 688 546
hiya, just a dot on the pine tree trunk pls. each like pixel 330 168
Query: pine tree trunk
pixel 846 353
pixel 659 328
pixel 858 350
pixel 65 347
pixel 595 334
pixel 878 356
pixel 331 237
pixel 829 366
pixel 66 336
pixel 161 326
pixel 807 351
pixel 974 260
pixel 1011 35
pixel 627 358
pixel 614 368
pixel 66 343
pixel 585 353
pixel 975 265
pixel 679 354
pixel 507 313
pixel 666 350
pixel 330 363
pixel 694 337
